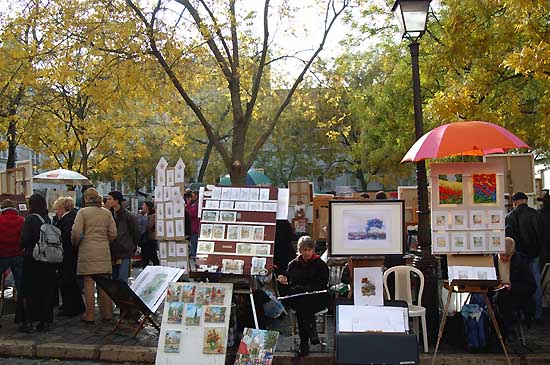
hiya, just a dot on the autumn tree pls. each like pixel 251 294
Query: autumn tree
pixel 216 33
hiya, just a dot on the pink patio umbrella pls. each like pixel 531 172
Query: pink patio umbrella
pixel 473 138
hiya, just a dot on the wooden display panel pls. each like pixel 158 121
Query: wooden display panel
pixel 410 195
pixel 519 170
pixel 320 215
pixel 300 191
pixel 244 247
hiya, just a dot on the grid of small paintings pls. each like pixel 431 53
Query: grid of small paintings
pixel 170 214
pixel 237 230
pixel 195 323
pixel 467 209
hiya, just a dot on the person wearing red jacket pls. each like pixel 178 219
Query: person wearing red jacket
pixel 11 253
pixel 192 209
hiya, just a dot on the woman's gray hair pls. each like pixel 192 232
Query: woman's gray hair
pixel 306 242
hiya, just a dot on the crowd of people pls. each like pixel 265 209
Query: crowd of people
pixel 97 240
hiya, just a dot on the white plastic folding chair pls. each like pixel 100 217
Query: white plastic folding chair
pixel 403 291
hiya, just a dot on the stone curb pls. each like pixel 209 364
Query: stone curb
pixel 119 353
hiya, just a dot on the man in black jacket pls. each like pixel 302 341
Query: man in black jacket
pixel 307 273
pixel 517 285
pixel 525 226
pixel 127 238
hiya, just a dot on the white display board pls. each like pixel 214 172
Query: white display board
pixel 368 286
pixel 152 282
pixel 357 318
pixel 195 324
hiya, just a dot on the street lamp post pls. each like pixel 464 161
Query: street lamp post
pixel 412 16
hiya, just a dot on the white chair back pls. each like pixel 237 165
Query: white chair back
pixel 403 289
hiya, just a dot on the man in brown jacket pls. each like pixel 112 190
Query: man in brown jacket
pixel 127 239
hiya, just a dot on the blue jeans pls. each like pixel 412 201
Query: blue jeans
pixel 15 263
pixel 122 271
pixel 535 270
pixel 194 241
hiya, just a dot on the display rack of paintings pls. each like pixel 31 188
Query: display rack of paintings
pixel 237 230
pixel 195 323
pixel 170 214
pixel 468 207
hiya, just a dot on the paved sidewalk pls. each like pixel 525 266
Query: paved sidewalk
pixel 71 339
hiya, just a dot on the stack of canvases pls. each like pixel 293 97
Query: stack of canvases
pixel 467 208
pixel 237 231
pixel 170 214
pixel 195 324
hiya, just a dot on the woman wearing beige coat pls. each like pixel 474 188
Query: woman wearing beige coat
pixel 93 228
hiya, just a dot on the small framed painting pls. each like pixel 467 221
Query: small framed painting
pixel 459 241
pixel 459 220
pixel 206 232
pixel 262 249
pixel 212 204
pixel 477 219
pixel 244 249
pixel 235 193
pixel 226 204
pixel 205 247
pixel 245 233
pixel 226 194
pixel 244 194
pixel 478 241
pixel 255 206
pixel 241 205
pixel 496 219
pixel 210 215
pixel 495 241
pixel 228 216
pixel 218 231
pixel 441 243
pixel 440 220
pixel 233 232
pixel 258 233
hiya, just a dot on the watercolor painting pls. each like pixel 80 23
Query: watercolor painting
pixel 203 295
pixel 214 340
pixel 193 314
pixel 372 229
pixel 173 293
pixel 172 340
pixel 218 295
pixel 257 347
pixel 188 293
pixel 175 312
pixel 214 314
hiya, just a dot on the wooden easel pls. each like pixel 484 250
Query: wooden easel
pixel 470 286
pixel 128 302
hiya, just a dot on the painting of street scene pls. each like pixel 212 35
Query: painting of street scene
pixel 257 347
pixel 214 314
pixel 193 314
pixel 172 341
pixel 175 312
pixel 188 293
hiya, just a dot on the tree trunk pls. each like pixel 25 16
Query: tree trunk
pixel 205 160
pixel 238 175
pixel 12 145
pixel 361 176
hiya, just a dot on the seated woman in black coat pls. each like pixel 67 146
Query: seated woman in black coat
pixel 517 285
pixel 307 273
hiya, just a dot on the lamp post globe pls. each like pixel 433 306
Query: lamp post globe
pixel 412 16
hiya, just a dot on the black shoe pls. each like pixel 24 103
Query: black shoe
pixel 304 349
